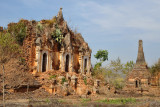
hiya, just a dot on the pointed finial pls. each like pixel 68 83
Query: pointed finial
pixel 60 15
pixel 140 57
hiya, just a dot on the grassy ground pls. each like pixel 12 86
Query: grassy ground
pixel 86 102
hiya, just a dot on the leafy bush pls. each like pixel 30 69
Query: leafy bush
pixel 118 83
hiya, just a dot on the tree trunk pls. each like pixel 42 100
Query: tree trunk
pixel 3 87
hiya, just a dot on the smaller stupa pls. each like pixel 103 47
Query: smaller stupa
pixel 139 78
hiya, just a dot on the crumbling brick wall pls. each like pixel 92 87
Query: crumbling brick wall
pixel 29 47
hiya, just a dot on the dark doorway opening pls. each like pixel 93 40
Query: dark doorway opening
pixel 85 65
pixel 44 63
pixel 67 63
pixel 136 84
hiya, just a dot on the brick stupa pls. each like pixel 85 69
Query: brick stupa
pixel 139 78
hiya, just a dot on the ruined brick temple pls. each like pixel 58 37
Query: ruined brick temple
pixel 43 53
pixel 58 57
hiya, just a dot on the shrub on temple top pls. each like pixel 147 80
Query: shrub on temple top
pixel 57 35
pixel 39 28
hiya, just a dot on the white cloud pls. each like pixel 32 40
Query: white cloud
pixel 116 19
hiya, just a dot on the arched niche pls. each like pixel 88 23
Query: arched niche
pixel 67 62
pixel 85 64
pixel 44 61
pixel 137 83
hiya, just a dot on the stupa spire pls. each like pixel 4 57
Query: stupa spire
pixel 140 57
pixel 60 15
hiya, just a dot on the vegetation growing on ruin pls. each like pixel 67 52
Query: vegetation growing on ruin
pixel 57 35
pixel 39 28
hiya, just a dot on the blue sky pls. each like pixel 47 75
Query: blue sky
pixel 114 25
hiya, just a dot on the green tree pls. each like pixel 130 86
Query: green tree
pixel 8 47
pixel 99 72
pixel 101 55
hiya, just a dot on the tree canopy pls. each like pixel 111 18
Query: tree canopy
pixel 8 47
pixel 102 55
